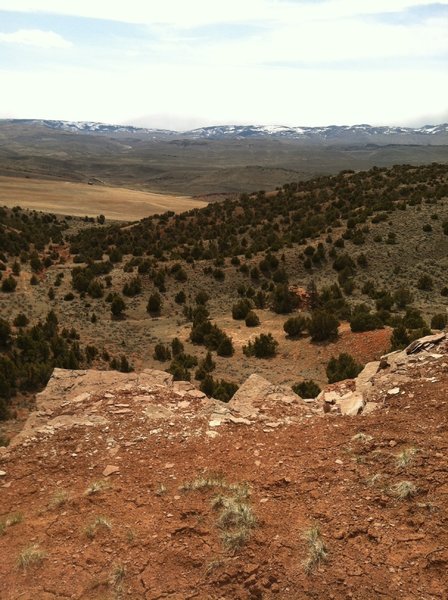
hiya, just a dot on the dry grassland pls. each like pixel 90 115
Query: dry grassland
pixel 80 199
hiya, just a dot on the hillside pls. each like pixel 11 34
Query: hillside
pixel 131 485
pixel 213 160
pixel 277 283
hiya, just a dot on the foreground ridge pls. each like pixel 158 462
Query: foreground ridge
pixel 139 486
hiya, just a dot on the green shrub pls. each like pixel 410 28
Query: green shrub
pixel 294 326
pixel 342 367
pixel 439 321
pixel 323 326
pixel 283 300
pixel 307 389
pixel 154 304
pixel 9 284
pixel 220 389
pixel 425 283
pixel 252 319
pixel 402 297
pixel 180 297
pixel 117 306
pixel 241 309
pixel 413 319
pixel 365 321
pixel 133 287
pixel 263 346
pixel 399 338
pixel 21 320
pixel 161 353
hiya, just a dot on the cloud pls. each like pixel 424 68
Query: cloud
pixel 36 38
pixel 195 13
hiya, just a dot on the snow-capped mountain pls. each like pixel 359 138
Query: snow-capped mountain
pixel 324 133
pixel 361 133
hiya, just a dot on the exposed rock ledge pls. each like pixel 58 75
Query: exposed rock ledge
pixel 381 379
pixel 90 399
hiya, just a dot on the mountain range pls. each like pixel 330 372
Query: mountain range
pixel 361 133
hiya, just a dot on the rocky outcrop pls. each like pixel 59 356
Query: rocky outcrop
pixel 258 393
pixel 381 379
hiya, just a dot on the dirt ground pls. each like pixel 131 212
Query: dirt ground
pixel 155 540
pixel 80 199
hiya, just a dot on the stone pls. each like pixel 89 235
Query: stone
pixel 425 343
pixel 351 404
pixel 257 390
pixel 393 391
pixel 2 473
pixel 110 470
pixel 364 380
pixel 369 408
pixel 238 420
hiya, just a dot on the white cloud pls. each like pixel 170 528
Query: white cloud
pixel 244 95
pixel 180 13
pixel 310 63
pixel 35 37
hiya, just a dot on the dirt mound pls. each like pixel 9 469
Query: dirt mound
pixel 135 486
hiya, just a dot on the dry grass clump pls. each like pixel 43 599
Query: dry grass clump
pixel 97 523
pixel 317 551
pixel 404 458
pixel 96 487
pixel 60 498
pixel 403 490
pixel 362 437
pixel 117 577
pixel 30 556
pixel 12 519
pixel 236 518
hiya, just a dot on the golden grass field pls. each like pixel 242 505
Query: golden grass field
pixel 81 199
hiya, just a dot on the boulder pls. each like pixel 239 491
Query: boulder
pixel 425 343
pixel 363 382
pixel 257 390
pixel 351 404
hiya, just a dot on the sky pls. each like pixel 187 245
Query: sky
pixel 181 64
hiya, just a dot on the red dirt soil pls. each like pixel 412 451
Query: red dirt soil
pixel 305 474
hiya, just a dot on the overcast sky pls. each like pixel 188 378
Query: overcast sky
pixel 187 63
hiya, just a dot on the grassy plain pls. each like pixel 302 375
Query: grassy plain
pixel 80 199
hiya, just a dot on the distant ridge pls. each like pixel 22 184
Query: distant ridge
pixel 362 133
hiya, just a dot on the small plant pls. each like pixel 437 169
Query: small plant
pixel 98 523
pixel 30 556
pixel 11 520
pixel 130 535
pixel 403 490
pixel 374 480
pixel 96 487
pixel 306 389
pixel 236 520
pixel 405 457
pixel 60 497
pixel 161 490
pixel 362 437
pixel 342 367
pixel 117 577
pixel 205 482
pixel 317 551
pixel 263 346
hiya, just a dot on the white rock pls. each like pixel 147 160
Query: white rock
pixel 351 404
pixel 394 391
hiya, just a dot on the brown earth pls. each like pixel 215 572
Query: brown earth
pixel 158 538
pixel 80 199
